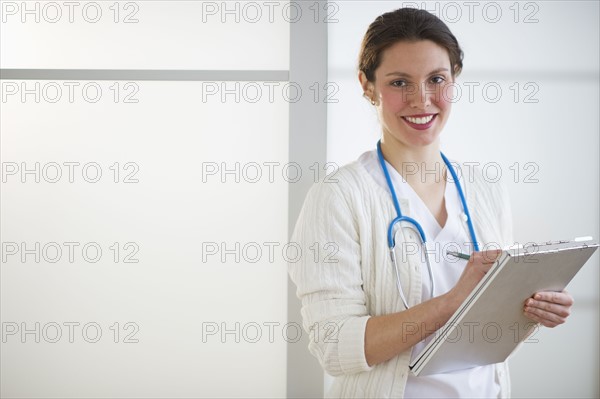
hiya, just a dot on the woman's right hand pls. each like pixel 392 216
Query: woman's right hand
pixel 479 264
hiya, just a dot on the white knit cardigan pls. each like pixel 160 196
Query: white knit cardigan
pixel 345 274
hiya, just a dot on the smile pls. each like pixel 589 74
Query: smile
pixel 420 122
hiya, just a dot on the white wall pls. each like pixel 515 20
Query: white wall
pixel 553 197
pixel 169 133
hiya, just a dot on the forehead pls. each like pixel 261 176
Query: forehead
pixel 414 58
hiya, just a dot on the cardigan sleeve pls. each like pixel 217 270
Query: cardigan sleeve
pixel 329 281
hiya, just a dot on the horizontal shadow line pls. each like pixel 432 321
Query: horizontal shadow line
pixel 143 74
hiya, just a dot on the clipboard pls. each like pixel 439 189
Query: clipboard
pixel 489 325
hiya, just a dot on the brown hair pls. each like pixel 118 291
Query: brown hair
pixel 406 24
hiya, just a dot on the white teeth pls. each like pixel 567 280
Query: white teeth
pixel 419 121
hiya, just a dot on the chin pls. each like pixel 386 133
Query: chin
pixel 423 140
pixel 413 138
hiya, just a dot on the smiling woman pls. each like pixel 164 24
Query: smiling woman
pixel 412 84
pixel 381 307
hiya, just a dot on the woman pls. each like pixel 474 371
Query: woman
pixel 363 328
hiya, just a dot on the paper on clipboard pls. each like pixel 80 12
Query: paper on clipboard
pixel 490 325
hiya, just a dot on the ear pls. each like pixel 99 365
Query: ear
pixel 366 85
pixel 457 72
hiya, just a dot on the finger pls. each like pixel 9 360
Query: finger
pixel 491 255
pixel 543 321
pixel 538 319
pixel 486 257
pixel 550 307
pixel 561 298
pixel 546 317
pixel 477 263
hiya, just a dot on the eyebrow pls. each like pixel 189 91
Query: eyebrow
pixel 408 75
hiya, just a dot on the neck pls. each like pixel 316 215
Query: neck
pixel 418 165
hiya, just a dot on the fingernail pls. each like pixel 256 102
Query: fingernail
pixel 537 296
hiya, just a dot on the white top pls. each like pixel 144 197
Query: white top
pixel 477 382
pixel 353 278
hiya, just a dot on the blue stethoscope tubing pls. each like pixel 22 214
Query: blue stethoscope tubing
pixel 413 224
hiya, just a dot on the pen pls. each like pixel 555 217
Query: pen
pixel 458 255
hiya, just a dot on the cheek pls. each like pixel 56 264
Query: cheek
pixel 445 97
pixel 392 100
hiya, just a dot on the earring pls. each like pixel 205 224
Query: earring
pixel 370 99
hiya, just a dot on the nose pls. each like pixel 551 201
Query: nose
pixel 420 96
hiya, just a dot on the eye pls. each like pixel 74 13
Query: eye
pixel 438 79
pixel 399 83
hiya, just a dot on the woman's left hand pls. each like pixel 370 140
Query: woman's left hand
pixel 549 308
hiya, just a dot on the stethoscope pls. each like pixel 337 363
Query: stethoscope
pixel 414 225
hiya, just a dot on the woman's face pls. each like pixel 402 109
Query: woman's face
pixel 412 92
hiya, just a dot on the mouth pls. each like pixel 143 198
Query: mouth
pixel 420 122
